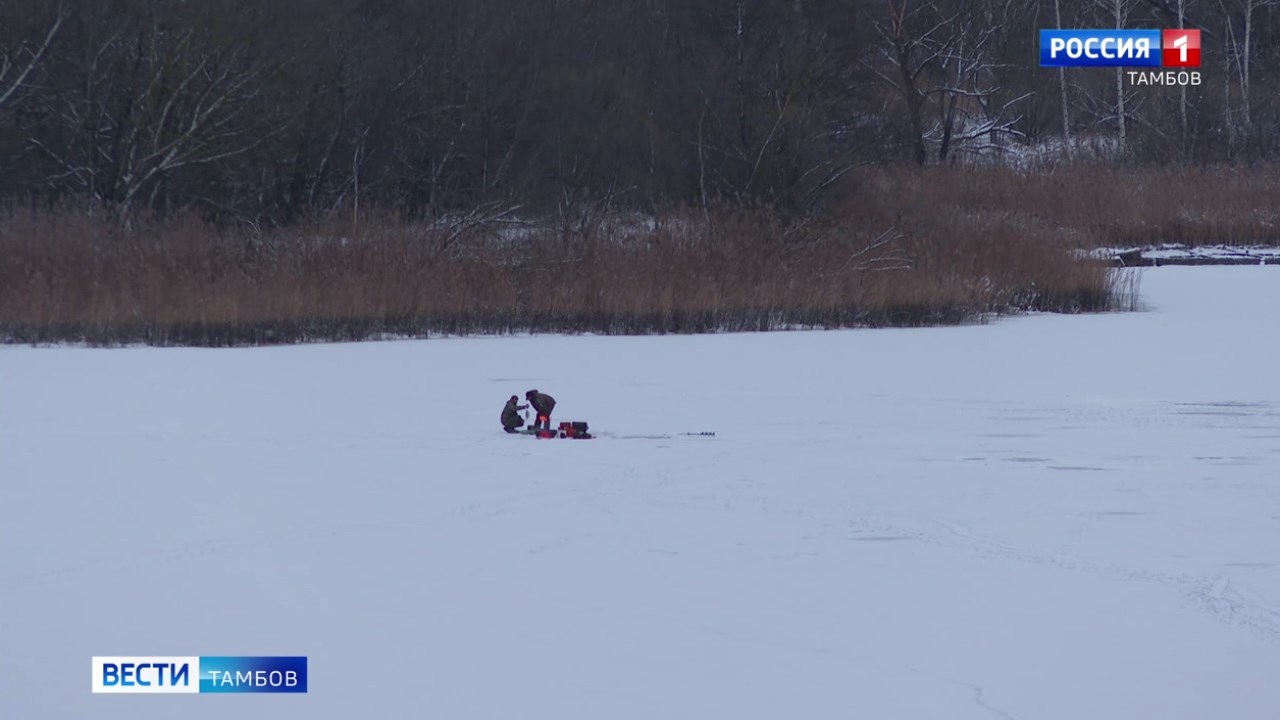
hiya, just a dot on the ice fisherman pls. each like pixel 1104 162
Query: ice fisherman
pixel 511 414
pixel 542 404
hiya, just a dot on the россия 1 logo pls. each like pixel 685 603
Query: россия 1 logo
pixel 1175 51
pixel 1120 48
pixel 204 674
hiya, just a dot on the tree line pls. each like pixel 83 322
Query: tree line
pixel 270 112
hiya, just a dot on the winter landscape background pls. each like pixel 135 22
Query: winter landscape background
pixel 216 173
pixel 1048 516
pixel 1022 515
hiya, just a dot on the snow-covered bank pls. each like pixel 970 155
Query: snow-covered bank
pixel 1045 517
pixel 1176 254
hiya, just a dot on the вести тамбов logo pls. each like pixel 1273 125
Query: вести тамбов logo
pixel 200 674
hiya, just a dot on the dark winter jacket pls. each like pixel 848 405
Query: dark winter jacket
pixel 511 414
pixel 542 403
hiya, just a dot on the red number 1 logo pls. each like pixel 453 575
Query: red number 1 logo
pixel 1180 48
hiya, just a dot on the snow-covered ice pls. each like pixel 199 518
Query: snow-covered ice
pixel 1178 254
pixel 1046 517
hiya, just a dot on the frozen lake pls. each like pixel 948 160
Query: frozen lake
pixel 1051 517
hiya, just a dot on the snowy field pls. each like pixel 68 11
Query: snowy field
pixel 1048 517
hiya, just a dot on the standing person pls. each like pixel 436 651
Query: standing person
pixel 511 415
pixel 542 404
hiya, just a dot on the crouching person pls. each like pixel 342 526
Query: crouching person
pixel 511 415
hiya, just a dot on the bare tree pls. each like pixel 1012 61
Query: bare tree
pixel 9 61
pixel 1241 49
pixel 1108 101
pixel 913 37
pixel 1182 89
pixel 969 94
pixel 1062 77
pixel 192 123
pixel 940 57
pixel 150 100
pixel 1119 11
